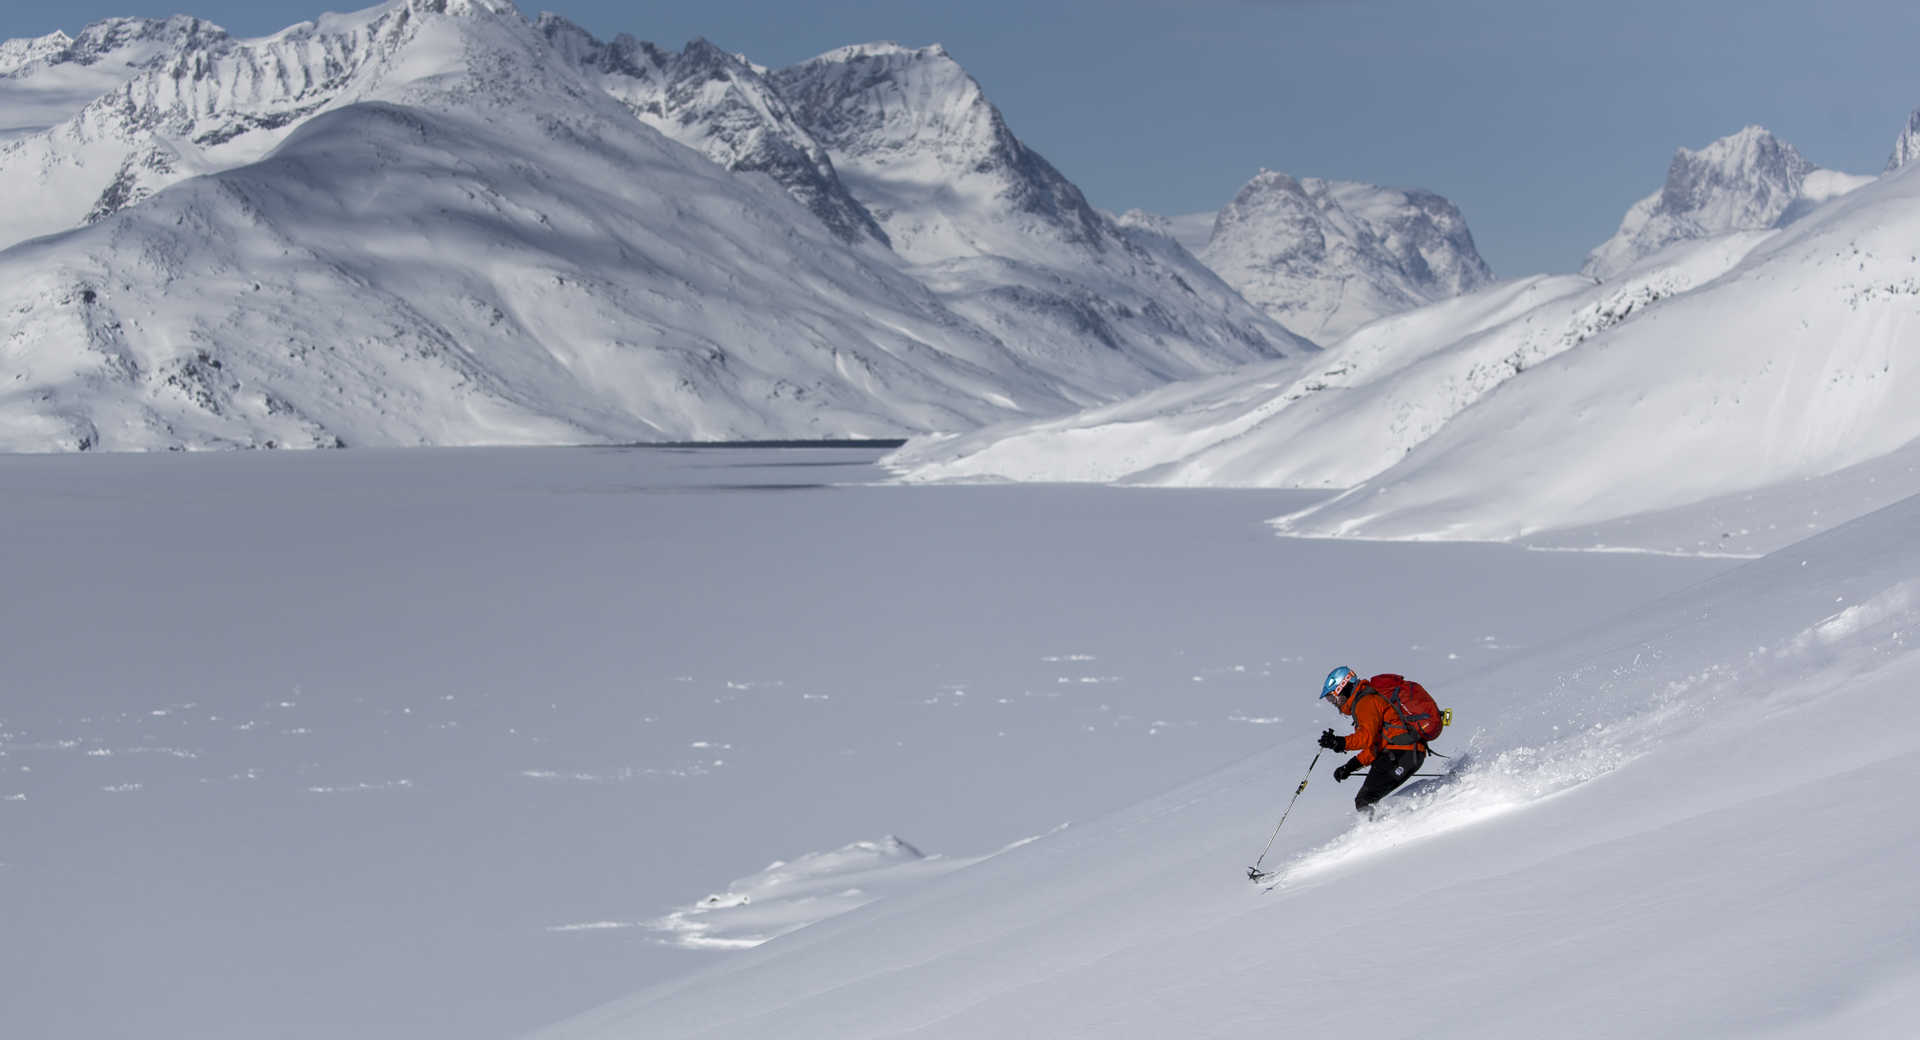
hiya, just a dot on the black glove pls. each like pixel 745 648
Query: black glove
pixel 1332 742
pixel 1341 772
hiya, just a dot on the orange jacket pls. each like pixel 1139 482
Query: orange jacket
pixel 1376 726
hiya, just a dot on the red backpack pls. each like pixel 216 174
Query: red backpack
pixel 1412 703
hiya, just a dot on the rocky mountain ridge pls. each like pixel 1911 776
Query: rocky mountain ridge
pixel 722 106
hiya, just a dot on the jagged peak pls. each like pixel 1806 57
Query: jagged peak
pixel 108 29
pixel 1745 181
pixel 1751 160
pixel 885 49
pixel 460 7
pixel 19 53
pixel 99 39
pixel 625 55
pixel 550 23
pixel 1906 147
pixel 332 22
pixel 926 85
pixel 53 40
pixel 1748 145
pixel 704 53
pixel 1268 182
pixel 707 52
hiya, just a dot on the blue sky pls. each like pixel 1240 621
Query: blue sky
pixel 1543 120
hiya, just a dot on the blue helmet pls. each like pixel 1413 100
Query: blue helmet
pixel 1337 682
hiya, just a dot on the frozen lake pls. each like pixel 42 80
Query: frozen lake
pixel 344 743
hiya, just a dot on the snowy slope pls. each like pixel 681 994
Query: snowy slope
pixel 607 284
pixel 1747 181
pixel 382 730
pixel 1666 803
pixel 1325 257
pixel 1346 416
pixel 394 276
pixel 1798 362
pixel 789 895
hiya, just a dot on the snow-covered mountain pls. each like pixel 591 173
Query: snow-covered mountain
pixel 1746 181
pixel 212 103
pixel 1718 367
pixel 296 286
pixel 1325 257
pixel 918 140
pixel 1004 238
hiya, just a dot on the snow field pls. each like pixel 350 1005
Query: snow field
pixel 312 744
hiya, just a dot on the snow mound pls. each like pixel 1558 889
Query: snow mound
pixel 790 895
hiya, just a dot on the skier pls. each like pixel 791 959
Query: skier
pixel 1381 739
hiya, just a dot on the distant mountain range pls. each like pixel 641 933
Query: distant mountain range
pixel 435 221
pixel 440 222
pixel 1754 327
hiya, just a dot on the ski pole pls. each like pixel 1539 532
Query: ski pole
pixel 1254 873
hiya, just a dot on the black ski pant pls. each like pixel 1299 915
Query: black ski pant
pixel 1390 769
